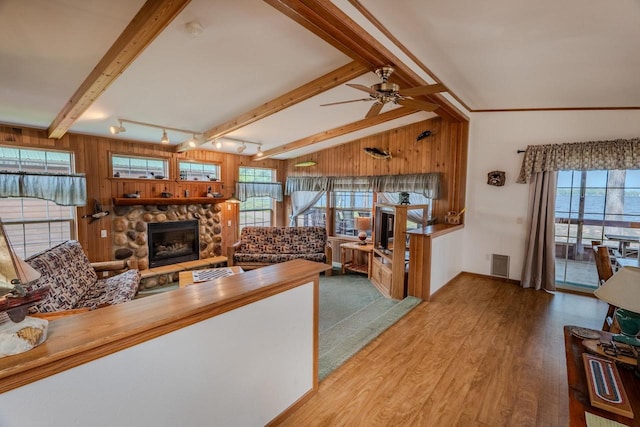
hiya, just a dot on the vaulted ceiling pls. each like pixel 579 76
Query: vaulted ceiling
pixel 259 71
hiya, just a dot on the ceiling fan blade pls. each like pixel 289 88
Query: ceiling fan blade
pixel 423 90
pixel 346 102
pixel 363 88
pixel 374 110
pixel 418 105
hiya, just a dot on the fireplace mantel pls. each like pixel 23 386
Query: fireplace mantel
pixel 125 201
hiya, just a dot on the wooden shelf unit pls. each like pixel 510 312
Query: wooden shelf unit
pixel 126 201
pixel 389 268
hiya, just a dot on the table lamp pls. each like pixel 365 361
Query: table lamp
pixel 622 290
pixel 363 223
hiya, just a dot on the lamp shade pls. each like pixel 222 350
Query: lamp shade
pixel 363 223
pixel 622 289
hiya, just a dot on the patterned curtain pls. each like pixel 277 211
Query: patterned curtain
pixel 62 189
pixel 593 155
pixel 259 189
pixel 427 184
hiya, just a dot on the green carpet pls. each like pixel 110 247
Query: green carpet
pixel 352 314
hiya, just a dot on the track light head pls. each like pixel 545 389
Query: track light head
pixel 117 129
pixel 259 153
pixel 165 137
pixel 193 142
pixel 218 144
pixel 242 147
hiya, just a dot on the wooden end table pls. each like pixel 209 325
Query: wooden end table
pixel 351 265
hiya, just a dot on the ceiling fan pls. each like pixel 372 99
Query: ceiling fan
pixel 385 92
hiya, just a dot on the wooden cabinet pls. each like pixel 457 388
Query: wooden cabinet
pixel 391 255
pixel 381 273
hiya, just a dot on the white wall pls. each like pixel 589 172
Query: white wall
pixel 241 368
pixel 491 222
pixel 446 262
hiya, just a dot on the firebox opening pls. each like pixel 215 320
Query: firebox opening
pixel 173 242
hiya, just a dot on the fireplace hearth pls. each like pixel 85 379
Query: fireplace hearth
pixel 173 242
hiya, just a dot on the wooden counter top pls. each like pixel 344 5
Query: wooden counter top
pixel 436 230
pixel 81 338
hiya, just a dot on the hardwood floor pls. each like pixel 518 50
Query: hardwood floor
pixel 482 352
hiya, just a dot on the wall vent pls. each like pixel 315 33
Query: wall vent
pixel 500 265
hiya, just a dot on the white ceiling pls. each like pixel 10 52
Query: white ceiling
pixel 492 55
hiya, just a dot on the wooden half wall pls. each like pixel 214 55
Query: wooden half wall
pixel 445 151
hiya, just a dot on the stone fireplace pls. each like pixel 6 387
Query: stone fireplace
pixel 131 225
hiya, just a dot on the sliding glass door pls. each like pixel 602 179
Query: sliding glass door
pixel 594 206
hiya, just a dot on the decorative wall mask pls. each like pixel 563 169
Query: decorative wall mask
pixel 496 178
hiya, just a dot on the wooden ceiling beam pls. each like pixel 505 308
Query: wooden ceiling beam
pixel 330 80
pixel 396 113
pixel 151 19
pixel 331 24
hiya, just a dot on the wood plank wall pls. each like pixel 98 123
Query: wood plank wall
pixel 445 151
pixel 92 158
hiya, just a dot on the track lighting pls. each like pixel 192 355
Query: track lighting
pixel 165 137
pixel 242 144
pixel 117 129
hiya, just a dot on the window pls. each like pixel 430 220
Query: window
pixel 257 211
pixel 348 206
pixel 591 206
pixel 33 225
pixel 138 167
pixel 194 171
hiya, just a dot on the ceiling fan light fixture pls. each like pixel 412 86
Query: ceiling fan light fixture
pixel 165 137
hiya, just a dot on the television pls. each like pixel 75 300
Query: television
pixel 384 223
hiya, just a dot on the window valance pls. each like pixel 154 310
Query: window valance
pixel 245 190
pixel 427 184
pixel 592 155
pixel 62 189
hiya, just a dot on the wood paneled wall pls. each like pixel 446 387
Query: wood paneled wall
pixel 445 151
pixel 92 158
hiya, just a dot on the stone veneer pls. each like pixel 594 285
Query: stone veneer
pixel 130 229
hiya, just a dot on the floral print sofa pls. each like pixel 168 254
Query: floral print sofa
pixel 73 282
pixel 262 246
